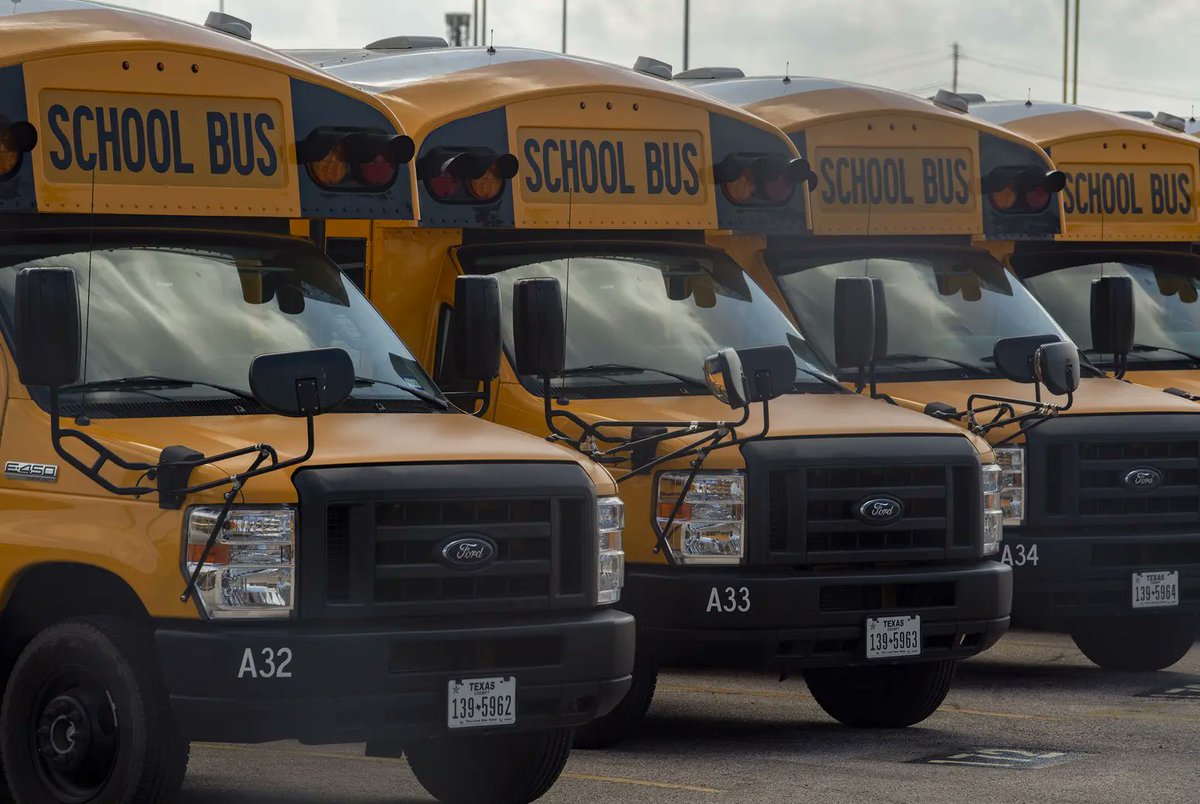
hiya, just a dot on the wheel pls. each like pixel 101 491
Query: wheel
pixel 1135 643
pixel 86 718
pixel 626 716
pixel 493 769
pixel 889 696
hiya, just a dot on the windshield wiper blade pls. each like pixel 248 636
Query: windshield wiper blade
pixel 1146 347
pixel 613 368
pixel 419 393
pixel 825 379
pixel 905 357
pixel 152 381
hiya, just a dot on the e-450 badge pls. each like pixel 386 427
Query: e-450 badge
pixel 23 470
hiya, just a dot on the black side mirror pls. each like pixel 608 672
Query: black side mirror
pixel 47 327
pixel 1014 357
pixel 1056 366
pixel 475 327
pixel 725 378
pixel 1112 315
pixel 302 383
pixel 539 338
pixel 854 334
pixel 769 371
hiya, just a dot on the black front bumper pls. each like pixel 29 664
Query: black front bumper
pixel 230 682
pixel 1087 576
pixel 806 618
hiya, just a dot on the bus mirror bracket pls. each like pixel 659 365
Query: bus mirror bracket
pixel 1040 360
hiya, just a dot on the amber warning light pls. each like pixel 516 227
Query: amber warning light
pixel 466 176
pixel 16 140
pixel 347 159
pixel 762 180
pixel 1022 190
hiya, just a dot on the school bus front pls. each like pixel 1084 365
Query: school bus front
pixel 1094 550
pixel 191 552
pixel 844 537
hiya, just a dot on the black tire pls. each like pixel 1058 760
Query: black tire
pixel 626 716
pixel 1136 644
pixel 888 696
pixel 86 718
pixel 492 769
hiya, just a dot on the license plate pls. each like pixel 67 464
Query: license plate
pixel 888 637
pixel 1153 590
pixel 473 702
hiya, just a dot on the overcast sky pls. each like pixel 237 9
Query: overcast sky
pixel 1134 54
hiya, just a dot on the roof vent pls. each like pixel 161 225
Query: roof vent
pixel 972 97
pixel 710 73
pixel 227 23
pixel 1167 120
pixel 1141 114
pixel 949 100
pixel 408 43
pixel 654 67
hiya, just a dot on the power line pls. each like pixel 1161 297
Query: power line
pixel 1178 95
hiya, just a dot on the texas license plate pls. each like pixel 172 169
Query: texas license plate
pixel 1152 590
pixel 482 702
pixel 888 637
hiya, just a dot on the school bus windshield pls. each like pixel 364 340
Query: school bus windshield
pixel 199 308
pixel 945 307
pixel 1166 295
pixel 639 317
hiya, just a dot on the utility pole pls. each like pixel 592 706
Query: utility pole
pixel 483 23
pixel 954 74
pixel 564 45
pixel 1075 82
pixel 1066 43
pixel 687 8
pixel 475 27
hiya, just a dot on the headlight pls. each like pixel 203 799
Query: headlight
pixel 1012 483
pixel 710 525
pixel 610 568
pixel 993 516
pixel 249 571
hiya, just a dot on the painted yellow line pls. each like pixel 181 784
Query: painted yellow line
pixel 586 777
pixel 690 788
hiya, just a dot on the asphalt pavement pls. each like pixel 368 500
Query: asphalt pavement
pixel 1030 720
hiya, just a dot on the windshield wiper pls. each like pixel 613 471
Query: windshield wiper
pixel 825 379
pixel 621 368
pixel 1146 347
pixel 905 357
pixel 419 393
pixel 152 381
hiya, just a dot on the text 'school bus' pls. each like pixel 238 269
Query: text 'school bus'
pixel 180 560
pixel 816 530
pixel 928 201
pixel 1129 212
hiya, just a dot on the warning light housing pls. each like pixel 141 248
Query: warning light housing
pixel 1022 190
pixel 16 140
pixel 762 179
pixel 354 159
pixel 467 175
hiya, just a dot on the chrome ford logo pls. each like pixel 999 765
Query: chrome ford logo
pixel 880 510
pixel 1143 478
pixel 468 551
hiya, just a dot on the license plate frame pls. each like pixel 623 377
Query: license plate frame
pixel 1155 590
pixel 473 703
pixel 894 637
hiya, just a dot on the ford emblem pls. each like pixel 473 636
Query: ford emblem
pixel 880 510
pixel 1143 478
pixel 468 551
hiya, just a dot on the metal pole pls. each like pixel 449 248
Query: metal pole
pixel 1075 80
pixel 687 8
pixel 954 77
pixel 483 23
pixel 564 44
pixel 1066 43
pixel 475 26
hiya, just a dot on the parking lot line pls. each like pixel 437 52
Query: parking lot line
pixel 690 788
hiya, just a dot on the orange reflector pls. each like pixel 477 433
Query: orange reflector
pixel 332 168
pixel 665 509
pixel 219 554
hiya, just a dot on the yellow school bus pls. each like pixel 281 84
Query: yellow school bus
pixel 189 551
pixel 809 529
pixel 930 201
pixel 1130 211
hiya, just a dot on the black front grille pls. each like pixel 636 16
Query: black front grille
pixel 380 553
pixel 811 509
pixel 1085 476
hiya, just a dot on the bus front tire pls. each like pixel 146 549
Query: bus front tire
pixel 491 769
pixel 626 716
pixel 86 717
pixel 890 696
pixel 1136 644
